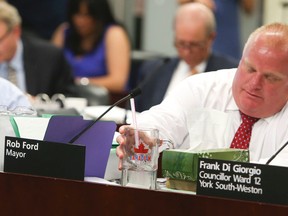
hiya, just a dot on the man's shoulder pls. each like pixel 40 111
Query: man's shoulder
pixel 221 72
pixel 4 82
pixel 157 65
pixel 6 86
pixel 11 95
pixel 218 77
pixel 228 73
pixel 218 61
pixel 159 60
pixel 36 43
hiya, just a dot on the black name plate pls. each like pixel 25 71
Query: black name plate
pixel 245 181
pixel 59 160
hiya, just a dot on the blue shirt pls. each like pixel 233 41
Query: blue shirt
pixel 17 63
pixel 92 64
pixel 11 96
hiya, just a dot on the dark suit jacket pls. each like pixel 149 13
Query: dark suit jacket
pixel 46 69
pixel 155 77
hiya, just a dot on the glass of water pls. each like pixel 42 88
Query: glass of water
pixel 140 164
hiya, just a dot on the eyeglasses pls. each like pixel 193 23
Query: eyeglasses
pixel 189 45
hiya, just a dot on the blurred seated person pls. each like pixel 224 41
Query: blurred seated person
pixel 33 65
pixel 12 97
pixel 95 45
pixel 228 40
pixel 194 35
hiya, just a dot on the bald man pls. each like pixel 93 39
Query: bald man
pixel 195 32
pixel 208 110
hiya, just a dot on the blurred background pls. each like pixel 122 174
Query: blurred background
pixel 150 22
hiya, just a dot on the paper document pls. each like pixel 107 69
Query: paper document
pixel 31 127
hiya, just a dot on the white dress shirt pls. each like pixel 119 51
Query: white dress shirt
pixel 11 96
pixel 202 114
pixel 17 64
pixel 181 72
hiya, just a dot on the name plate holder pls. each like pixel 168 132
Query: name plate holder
pixel 244 181
pixel 43 158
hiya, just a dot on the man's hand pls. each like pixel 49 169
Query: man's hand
pixel 121 139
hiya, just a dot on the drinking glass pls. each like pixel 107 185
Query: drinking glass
pixel 140 164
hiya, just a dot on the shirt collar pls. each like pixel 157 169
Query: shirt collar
pixel 17 58
pixel 200 67
pixel 280 113
pixel 233 107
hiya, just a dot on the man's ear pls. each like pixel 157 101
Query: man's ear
pixel 213 36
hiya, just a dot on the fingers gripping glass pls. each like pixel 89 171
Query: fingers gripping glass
pixel 147 145
pixel 140 164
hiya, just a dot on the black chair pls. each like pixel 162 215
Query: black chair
pixel 137 58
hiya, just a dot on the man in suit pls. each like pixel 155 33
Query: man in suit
pixel 194 35
pixel 32 64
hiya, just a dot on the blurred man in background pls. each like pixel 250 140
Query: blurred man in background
pixel 195 31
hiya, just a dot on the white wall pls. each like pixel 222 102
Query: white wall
pixel 157 32
pixel 158 20
pixel 158 26
pixel 274 11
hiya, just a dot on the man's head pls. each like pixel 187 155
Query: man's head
pixel 194 32
pixel 208 3
pixel 260 86
pixel 10 31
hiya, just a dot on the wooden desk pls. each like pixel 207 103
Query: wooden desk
pixel 32 195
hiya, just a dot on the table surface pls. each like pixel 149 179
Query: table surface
pixel 34 195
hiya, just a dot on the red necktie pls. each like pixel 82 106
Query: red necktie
pixel 242 136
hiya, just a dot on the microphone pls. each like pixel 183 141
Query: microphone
pixel 132 94
pixel 273 156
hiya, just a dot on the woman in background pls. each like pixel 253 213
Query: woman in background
pixel 95 45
